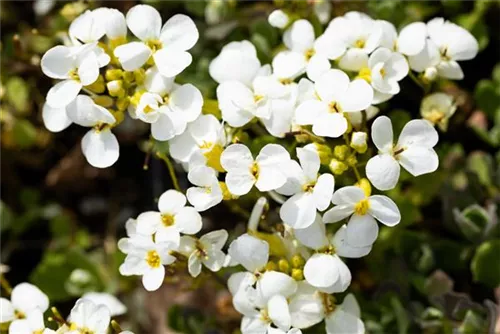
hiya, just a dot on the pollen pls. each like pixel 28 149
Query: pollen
pixel 309 54
pixel 257 98
pixel 361 208
pixel 19 314
pixel 308 187
pixel 73 74
pixel 286 81
pixel 254 170
pixel 154 44
pixel 167 220
pixel 360 43
pixel 365 74
pixel 153 259
pixel 148 109
pixel 382 72
pixel 166 98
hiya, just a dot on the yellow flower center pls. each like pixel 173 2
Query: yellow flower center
pixel 382 72
pixel 19 314
pixel 309 54
pixel 154 44
pixel 166 98
pixel 212 154
pixel 360 43
pixel 73 74
pixel 167 220
pixel 308 187
pixel 257 98
pixel 153 259
pixel 264 316
pixel 435 115
pixel 286 81
pixel 254 170
pixel 74 327
pixel 330 250
pixel 335 107
pixel 147 109
pixel 365 74
pixel 361 208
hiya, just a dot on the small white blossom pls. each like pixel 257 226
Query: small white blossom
pixel 207 192
pixel 413 151
pixel 410 41
pixel 278 18
pixel 172 219
pixel 24 298
pixel 86 316
pixel 114 305
pixel 266 171
pixel 437 108
pixel 205 250
pixel 362 229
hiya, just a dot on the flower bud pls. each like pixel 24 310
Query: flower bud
pixel 298 261
pixel 113 74
pixel 271 266
pixel 226 194
pixel 97 86
pixel 122 103
pixel 128 77
pixel 430 74
pixel 437 108
pixel 324 152
pixel 365 185
pixel 284 266
pixel 103 101
pixel 337 167
pixel 139 76
pixel 297 274
pixel 115 88
pixel 340 152
pixel 351 160
pixel 358 141
pixel 278 19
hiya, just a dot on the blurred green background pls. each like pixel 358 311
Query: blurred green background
pixel 436 272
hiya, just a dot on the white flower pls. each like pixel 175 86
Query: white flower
pixel 227 66
pixel 205 250
pixel 32 323
pixel 359 34
pixel 88 317
pixel 147 258
pixel 167 106
pixel 266 171
pixel 201 144
pixel 358 141
pixel 167 44
pixel 113 22
pixel 55 119
pixel 309 190
pixel 410 41
pixel 324 269
pixel 335 95
pixel 385 69
pixel 24 298
pixel 114 305
pixel 89 27
pixel 77 66
pixel 448 43
pixel 345 318
pixel 207 192
pixel 314 54
pixel 124 244
pixel 250 252
pixel 42 7
pixel 278 18
pixel 173 218
pixel 413 151
pixel 99 145
pixel 362 229
pixel 437 108
pixel 322 9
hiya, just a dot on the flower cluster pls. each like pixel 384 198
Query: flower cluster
pixel 315 100
pixel 92 313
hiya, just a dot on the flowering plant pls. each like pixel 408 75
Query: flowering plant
pixel 302 139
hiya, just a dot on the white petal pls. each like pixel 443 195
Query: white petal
pixel 57 62
pixel 332 85
pixel 300 36
pixel 382 133
pixel 167 126
pixel 88 69
pixel 235 102
pixel 188 220
pixel 87 27
pixel 362 230
pixel 321 270
pixel 450 70
pixel 337 213
pixel 83 111
pixel 187 99
pixel 236 157
pixel 144 22
pixel 383 171
pixel 379 97
pixel 202 176
pixel 21 326
pixel 279 313
pixel 273 283
pixel 6 310
pixel 459 43
pixel 323 191
pixel 418 132
pixel 358 96
pixel 428 57
pixel 289 64
pixel 307 112
pixel 299 210
pixel 153 278
pixel 329 46
pixel 100 148
pixel 272 155
pixel 171 62
pixel 411 38
pixel 132 55
pixel 306 307
pixel 317 66
pixel 26 296
pixel 313 236
pixel 148 222
pixel 381 55
pixel 341 322
pixel 295 179
pixel 62 93
pixel 215 239
pixel 203 200
pixel 214 260
pixel 171 202
pixel 250 252
pixel 240 281
pixel 344 278
pixel 419 160
pixel 194 265
pixel 384 210
pixel 353 60
pixel 270 178
pixel 179 33
pixel 330 125
pixel 254 325
pixel 348 195
pixel 55 119
pixel 310 163
pixel 346 250
pixel 115 306
pixel 157 83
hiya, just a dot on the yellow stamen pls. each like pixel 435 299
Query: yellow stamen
pixel 154 44
pixel 360 43
pixel 365 74
pixel 335 107
pixel 361 208
pixel 168 220
pixel 254 170
pixel 153 259
pixel 257 98
pixel 286 81
pixel 309 54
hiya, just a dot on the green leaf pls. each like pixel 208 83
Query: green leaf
pixel 484 265
pixel 24 134
pixel 473 323
pixel 6 216
pixel 472 221
pixel 481 164
pixel 487 97
pixel 18 94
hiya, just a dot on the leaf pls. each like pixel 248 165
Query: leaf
pixel 24 134
pixel 481 164
pixel 472 222
pixel 18 94
pixel 6 216
pixel 484 265
pixel 473 323
pixel 487 97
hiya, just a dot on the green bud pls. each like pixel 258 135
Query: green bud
pixel 113 74
pixel 271 266
pixel 337 167
pixel 115 88
pixel 340 152
pixel 284 266
pixel 325 153
pixel 297 274
pixel 351 160
pixel 298 261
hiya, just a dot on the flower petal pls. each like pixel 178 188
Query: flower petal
pixel 100 148
pixel 313 236
pixel 411 38
pixel 300 36
pixel 332 85
pixel 88 69
pixel 419 160
pixel 337 213
pixel 172 62
pixel 382 133
pixel 153 278
pixel 308 111
pixel 383 171
pixel 348 195
pixel 57 62
pixel 62 93
pixel 384 210
pixel 179 33
pixel 132 55
pixel 250 252
pixel 353 60
pixel 321 270
pixel 323 191
pixel 55 119
pixel 26 297
pixel 144 22
pixel 331 125
pixel 344 249
pixel 171 202
pixel 277 308
pixel 418 132
pixel 187 99
pixel 359 96
pixel 236 157
pixel 188 220
pixel 362 230
pixel 299 210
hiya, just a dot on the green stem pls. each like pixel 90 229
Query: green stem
pixel 5 285
pixel 417 81
pixel 171 170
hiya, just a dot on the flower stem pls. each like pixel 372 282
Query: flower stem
pixel 171 170
pixel 5 285
pixel 417 81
